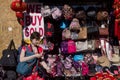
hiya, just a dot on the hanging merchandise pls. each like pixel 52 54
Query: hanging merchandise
pixel 71 47
pixel 9 58
pixel 45 11
pixel 103 31
pixel 66 34
pixel 63 24
pixel 80 13
pixel 18 6
pixel 74 25
pixel 49 29
pixel 82 33
pixel 68 12
pixel 117 28
pixel 19 14
pixel 91 12
pixel 77 58
pixel 81 45
pixel 68 47
pixel 56 13
pixel 102 15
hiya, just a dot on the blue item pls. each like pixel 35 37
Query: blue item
pixel 78 58
pixel 63 25
pixel 25 68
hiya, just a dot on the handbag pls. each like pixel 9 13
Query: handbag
pixel 9 58
pixel 83 33
pixel 103 31
pixel 68 12
pixel 25 68
pixel 81 45
pixel 45 11
pixel 66 34
pixel 56 13
pixel 74 25
pixel 102 15
pixel 91 44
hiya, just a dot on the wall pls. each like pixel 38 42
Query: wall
pixel 9 27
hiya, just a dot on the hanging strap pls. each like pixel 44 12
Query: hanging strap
pixel 12 44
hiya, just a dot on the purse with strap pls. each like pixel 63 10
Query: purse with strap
pixel 83 33
pixel 9 58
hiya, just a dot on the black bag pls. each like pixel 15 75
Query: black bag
pixel 49 29
pixel 11 74
pixel 2 72
pixel 9 58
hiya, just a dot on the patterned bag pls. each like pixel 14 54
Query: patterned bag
pixel 64 47
pixel 56 13
pixel 103 31
pixel 74 25
pixel 66 34
pixel 81 45
pixel 71 47
pixel 49 29
pixel 68 12
pixel 80 13
pixel 102 15
pixel 45 11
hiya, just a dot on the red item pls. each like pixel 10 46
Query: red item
pixel 93 78
pixel 40 49
pixel 19 15
pixel 117 28
pixel 18 5
pixel 21 21
pixel 33 76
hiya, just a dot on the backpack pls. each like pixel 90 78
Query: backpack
pixel 9 58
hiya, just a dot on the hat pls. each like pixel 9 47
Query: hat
pixel 103 61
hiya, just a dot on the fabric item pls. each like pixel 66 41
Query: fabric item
pixel 80 13
pixel 33 76
pixel 74 36
pixel 74 25
pixel 83 33
pixel 68 63
pixel 91 44
pixel 2 72
pixel 77 58
pixel 85 69
pixel 81 45
pixel 103 61
pixel 45 11
pixel 68 12
pixel 71 47
pixel 64 47
pixel 103 31
pixel 91 11
pixel 56 13
pixel 11 74
pixel 63 25
pixel 117 29
pixel 66 34
pixel 49 29
pixel 102 15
